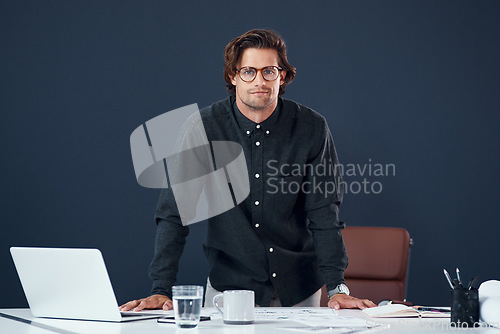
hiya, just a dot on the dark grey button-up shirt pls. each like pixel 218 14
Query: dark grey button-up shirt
pixel 286 235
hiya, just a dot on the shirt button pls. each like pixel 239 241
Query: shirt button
pixel 257 143
pixel 258 126
pixel 257 202
pixel 267 132
pixel 257 225
pixel 248 132
pixel 274 275
pixel 257 175
pixel 271 250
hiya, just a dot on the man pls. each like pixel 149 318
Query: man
pixel 284 240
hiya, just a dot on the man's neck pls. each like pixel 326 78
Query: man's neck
pixel 256 115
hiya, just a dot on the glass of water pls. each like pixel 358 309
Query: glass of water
pixel 187 305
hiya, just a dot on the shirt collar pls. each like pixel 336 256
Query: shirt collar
pixel 248 126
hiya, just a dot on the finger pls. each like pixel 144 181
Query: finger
pixel 369 303
pixel 126 305
pixel 153 302
pixel 167 305
pixel 365 303
pixel 348 302
pixel 130 305
pixel 361 305
pixel 334 304
pixel 145 303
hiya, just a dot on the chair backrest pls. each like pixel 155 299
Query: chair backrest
pixel 378 262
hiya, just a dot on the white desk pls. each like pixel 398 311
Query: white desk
pixel 406 325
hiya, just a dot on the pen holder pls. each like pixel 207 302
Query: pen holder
pixel 464 306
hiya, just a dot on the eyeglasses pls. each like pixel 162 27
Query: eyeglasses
pixel 269 73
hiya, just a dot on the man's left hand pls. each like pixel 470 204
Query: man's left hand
pixel 341 300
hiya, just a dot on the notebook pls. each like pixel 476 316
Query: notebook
pixel 69 283
pixel 403 311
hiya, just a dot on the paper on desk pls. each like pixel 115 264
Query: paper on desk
pixel 291 313
pixel 335 330
pixel 319 317
pixel 336 321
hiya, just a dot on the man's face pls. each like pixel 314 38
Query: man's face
pixel 258 94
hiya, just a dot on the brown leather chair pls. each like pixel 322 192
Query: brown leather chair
pixel 378 263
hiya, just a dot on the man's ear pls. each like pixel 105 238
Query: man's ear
pixel 282 77
pixel 232 78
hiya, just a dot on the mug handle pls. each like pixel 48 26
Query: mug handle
pixel 216 305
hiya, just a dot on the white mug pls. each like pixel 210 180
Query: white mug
pixel 238 306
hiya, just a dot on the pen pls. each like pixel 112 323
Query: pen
pixel 471 283
pixel 448 278
pixel 433 309
pixel 458 277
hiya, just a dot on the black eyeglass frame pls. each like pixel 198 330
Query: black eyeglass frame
pixel 257 70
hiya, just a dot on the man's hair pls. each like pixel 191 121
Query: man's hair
pixel 260 39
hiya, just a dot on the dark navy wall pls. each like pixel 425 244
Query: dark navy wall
pixel 409 83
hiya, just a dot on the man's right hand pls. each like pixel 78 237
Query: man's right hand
pixel 151 302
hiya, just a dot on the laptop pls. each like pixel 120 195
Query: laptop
pixel 70 283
